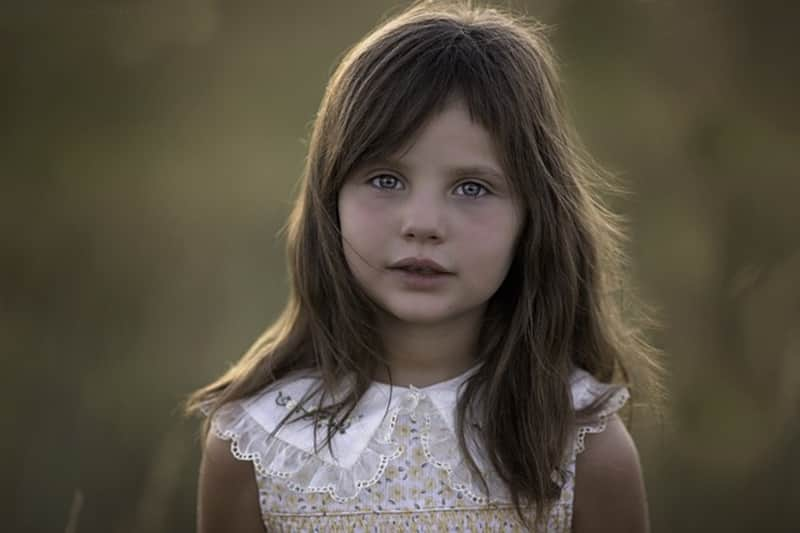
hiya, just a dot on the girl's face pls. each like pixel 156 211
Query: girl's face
pixel 443 200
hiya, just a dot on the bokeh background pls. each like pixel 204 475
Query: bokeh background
pixel 148 159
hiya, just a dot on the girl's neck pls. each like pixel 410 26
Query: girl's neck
pixel 421 354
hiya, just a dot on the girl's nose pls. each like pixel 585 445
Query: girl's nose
pixel 423 221
pixel 422 234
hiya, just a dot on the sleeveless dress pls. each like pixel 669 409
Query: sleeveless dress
pixel 394 465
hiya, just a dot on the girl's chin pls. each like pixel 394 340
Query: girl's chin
pixel 421 316
pixel 420 320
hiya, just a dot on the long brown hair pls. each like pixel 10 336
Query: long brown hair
pixel 560 305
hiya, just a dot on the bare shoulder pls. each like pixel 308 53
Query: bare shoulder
pixel 227 499
pixel 609 489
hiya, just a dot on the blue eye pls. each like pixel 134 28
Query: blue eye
pixel 472 189
pixel 385 181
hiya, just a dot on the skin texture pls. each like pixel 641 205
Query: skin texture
pixel 444 198
pixel 227 499
pixel 609 490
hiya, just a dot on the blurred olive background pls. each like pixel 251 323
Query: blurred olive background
pixel 149 157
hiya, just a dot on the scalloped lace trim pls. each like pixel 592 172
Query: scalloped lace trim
pixel 305 472
pixel 612 405
pixel 440 447
pixel 300 470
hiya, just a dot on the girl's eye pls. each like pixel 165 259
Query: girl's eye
pixel 472 189
pixel 385 181
pixel 388 182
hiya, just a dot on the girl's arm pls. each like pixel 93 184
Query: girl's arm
pixel 609 489
pixel 227 499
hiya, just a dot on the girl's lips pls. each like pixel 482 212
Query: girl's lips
pixel 420 280
pixel 423 264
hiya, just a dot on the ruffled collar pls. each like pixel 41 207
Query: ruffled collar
pixel 376 408
pixel 366 443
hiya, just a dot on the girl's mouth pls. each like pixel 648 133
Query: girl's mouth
pixel 420 271
pixel 420 265
pixel 421 278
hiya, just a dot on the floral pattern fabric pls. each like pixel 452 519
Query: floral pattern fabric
pixel 402 469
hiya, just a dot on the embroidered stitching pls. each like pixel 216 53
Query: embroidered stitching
pixel 285 400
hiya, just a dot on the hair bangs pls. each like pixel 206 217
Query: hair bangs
pixel 406 78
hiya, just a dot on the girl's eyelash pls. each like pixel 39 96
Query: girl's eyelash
pixel 375 181
pixel 484 190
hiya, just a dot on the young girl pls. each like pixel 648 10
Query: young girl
pixel 451 357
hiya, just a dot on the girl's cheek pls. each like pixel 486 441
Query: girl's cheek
pixel 370 215
pixel 366 220
pixel 491 225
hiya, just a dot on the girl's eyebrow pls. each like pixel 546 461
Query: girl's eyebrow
pixel 478 171
pixel 474 171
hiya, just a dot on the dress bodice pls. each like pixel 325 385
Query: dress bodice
pixel 394 464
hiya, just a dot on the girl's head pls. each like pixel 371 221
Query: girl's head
pixel 438 61
pixel 461 106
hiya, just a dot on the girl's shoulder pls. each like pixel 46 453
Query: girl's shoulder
pixel 606 477
pixel 600 400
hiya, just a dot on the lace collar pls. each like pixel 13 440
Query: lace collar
pixel 366 443
pixel 377 407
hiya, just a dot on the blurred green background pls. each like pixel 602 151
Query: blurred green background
pixel 149 156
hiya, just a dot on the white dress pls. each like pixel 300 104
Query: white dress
pixel 395 469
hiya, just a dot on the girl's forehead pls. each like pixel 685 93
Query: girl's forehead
pixel 454 118
pixel 402 124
